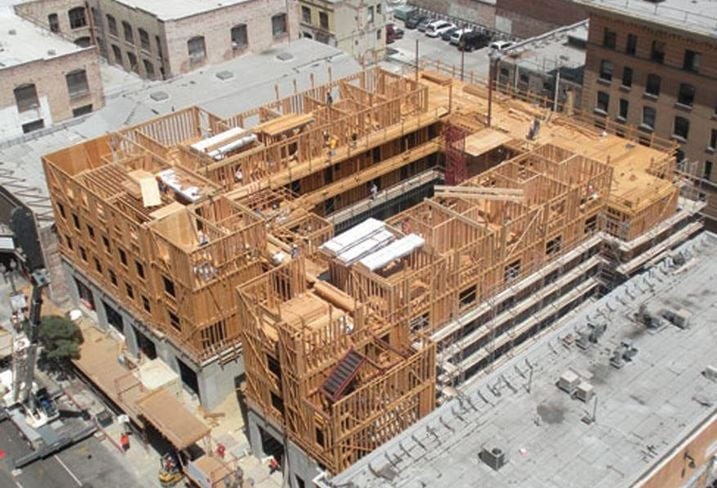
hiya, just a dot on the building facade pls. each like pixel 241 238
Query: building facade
pixel 655 67
pixel 160 41
pixel 528 18
pixel 45 79
pixel 67 18
pixel 357 27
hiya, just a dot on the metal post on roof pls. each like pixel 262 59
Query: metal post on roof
pixel 595 405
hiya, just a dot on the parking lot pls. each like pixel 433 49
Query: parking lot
pixel 404 51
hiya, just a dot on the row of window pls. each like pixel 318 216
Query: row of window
pixel 685 93
pixel 690 60
pixel 76 16
pixel 133 63
pixel 680 126
pixel 26 94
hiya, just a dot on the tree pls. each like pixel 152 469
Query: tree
pixel 60 339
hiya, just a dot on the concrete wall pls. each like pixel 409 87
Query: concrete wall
pixel 296 462
pixel 215 380
pixel 476 11
pixel 528 18
pixel 55 104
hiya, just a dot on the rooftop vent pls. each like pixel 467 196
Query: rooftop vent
pixel 225 75
pixel 12 32
pixel 495 457
pixel 284 56
pixel 710 373
pixel 159 96
pixel 679 318
pixel 51 52
pixel 644 317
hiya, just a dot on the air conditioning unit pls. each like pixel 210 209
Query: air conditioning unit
pixel 584 391
pixel 495 457
pixel 568 381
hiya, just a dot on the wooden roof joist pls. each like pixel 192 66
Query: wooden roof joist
pixel 479 193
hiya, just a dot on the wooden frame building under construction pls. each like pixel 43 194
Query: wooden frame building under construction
pixel 292 249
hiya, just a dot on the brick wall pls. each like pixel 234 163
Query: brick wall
pixel 528 18
pixel 475 11
pixel 39 10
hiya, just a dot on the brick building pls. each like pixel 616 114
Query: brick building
pixel 654 66
pixel 164 39
pixel 354 26
pixel 528 18
pixel 45 79
pixel 481 12
pixel 67 18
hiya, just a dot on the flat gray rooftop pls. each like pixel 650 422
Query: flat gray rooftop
pixel 251 83
pixel 179 9
pixel 562 48
pixel 643 409
pixel 22 41
pixel 697 16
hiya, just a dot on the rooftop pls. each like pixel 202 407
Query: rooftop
pixel 646 407
pixel 698 16
pixel 20 164
pixel 562 48
pixel 22 41
pixel 178 9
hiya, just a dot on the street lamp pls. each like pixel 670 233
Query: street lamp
pixel 493 59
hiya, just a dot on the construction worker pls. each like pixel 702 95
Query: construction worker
pixel 124 441
pixel 274 465
pixel 374 191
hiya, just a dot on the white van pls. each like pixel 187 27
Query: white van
pixel 501 45
pixel 438 27
pixel 456 36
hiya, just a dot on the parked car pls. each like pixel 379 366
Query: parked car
pixel 403 12
pixel 413 20
pixel 437 28
pixel 456 36
pixel 501 45
pixel 423 25
pixel 474 40
pixel 446 36
pixel 393 32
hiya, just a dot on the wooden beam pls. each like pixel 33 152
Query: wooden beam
pixel 479 193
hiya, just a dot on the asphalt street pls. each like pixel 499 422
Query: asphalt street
pixel 86 464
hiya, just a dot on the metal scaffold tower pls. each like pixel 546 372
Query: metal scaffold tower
pixel 454 144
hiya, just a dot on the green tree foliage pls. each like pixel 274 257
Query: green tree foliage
pixel 60 339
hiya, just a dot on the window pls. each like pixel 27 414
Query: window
pixel 657 53
pixel 686 94
pixel 123 257
pixel 553 246
pixel 713 139
pixel 707 170
pixel 132 60
pixel 278 25
pixel 609 39
pixel 168 286
pixel 606 68
pixel 681 128
pixel 148 68
pixel 113 278
pixel 83 253
pixel 127 31
pixel 631 44
pixel 627 76
pixel 174 320
pixel 68 241
pixel 117 52
pixel 369 14
pixel 112 25
pixel 378 34
pixel 240 39
pixel 691 61
pixel 652 87
pixel 146 305
pixel 98 266
pixel 33 126
pixel 624 108
pixel 140 269
pixel 306 14
pixel 26 97
pixel 77 17
pixel 648 118
pixel 54 23
pixel 603 102
pixel 144 39
pixel 61 208
pixel 196 49
pixel 76 221
pixel 106 243
pixel 83 110
pixel 91 232
pixel 324 20
pixel 77 83
pixel 130 291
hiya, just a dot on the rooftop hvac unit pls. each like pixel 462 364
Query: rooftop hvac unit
pixel 495 457
pixel 679 318
pixel 584 391
pixel 616 359
pixel 583 340
pixel 710 373
pixel 568 381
